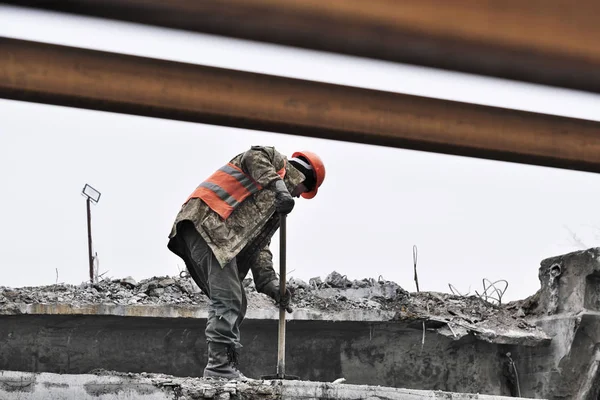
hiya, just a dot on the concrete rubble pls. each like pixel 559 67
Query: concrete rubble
pixel 369 332
pixel 108 385
pixel 453 316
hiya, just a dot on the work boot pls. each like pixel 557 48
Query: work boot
pixel 222 362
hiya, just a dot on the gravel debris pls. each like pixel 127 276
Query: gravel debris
pixel 189 388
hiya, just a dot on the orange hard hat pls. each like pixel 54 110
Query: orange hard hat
pixel 317 164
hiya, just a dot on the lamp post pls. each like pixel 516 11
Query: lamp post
pixel 92 195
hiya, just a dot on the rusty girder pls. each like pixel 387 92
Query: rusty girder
pixel 75 77
pixel 551 42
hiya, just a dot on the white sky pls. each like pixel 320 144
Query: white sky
pixel 470 218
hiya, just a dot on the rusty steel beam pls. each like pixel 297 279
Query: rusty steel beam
pixel 551 42
pixel 96 80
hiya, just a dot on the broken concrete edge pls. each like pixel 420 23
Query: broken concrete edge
pixel 452 329
pixel 111 385
pixel 457 329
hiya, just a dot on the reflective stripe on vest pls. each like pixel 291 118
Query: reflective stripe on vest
pixel 227 188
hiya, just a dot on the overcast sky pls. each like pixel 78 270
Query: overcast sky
pixel 471 219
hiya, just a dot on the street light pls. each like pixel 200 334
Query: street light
pixel 91 193
pixel 92 196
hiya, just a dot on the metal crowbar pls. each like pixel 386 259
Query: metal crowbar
pixel 282 278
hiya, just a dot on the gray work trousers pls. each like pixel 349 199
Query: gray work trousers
pixel 223 286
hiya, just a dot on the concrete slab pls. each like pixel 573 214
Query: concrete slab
pixel 390 353
pixel 335 299
pixel 501 335
pixel 44 386
pixel 369 332
pixel 107 386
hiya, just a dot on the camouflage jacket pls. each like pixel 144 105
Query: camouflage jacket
pixel 251 224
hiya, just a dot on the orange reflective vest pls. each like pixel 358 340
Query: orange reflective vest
pixel 227 188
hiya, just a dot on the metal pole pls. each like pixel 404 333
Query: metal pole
pixel 415 265
pixel 89 229
pixel 282 274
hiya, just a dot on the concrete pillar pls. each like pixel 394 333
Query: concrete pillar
pixel 571 282
pixel 568 308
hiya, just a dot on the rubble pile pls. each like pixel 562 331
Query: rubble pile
pixel 334 293
pixel 337 293
pixel 156 291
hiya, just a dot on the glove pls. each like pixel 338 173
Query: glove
pixel 272 290
pixel 284 202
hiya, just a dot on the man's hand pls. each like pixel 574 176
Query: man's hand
pixel 284 202
pixel 272 290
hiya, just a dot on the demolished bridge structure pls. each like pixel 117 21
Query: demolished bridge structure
pixel 368 332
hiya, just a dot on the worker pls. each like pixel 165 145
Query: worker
pixel 224 229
